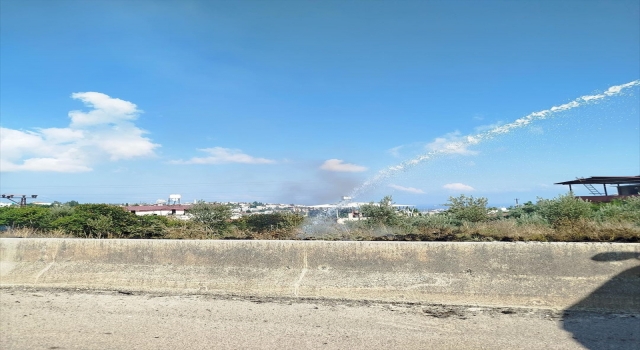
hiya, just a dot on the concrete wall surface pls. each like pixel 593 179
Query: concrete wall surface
pixel 603 276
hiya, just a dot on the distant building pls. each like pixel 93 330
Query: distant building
pixel 178 211
pixel 626 186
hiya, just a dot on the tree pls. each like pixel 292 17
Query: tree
pixel 214 217
pixel 31 216
pixel 468 208
pixel 382 213
pixel 95 220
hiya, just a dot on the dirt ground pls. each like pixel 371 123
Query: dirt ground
pixel 63 319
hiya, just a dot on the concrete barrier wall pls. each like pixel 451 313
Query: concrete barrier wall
pixel 550 275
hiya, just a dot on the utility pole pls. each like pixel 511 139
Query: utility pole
pixel 516 202
pixel 23 198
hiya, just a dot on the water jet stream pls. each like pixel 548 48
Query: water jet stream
pixel 475 139
pixel 314 226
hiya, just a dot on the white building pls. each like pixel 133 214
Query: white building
pixel 179 211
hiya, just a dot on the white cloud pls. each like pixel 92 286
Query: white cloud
pixel 339 165
pixel 105 132
pixel 122 141
pixel 105 110
pixel 456 186
pixel 395 151
pixel 406 189
pixel 220 155
pixel 453 143
pixel 61 135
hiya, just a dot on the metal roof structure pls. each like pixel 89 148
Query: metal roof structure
pixel 603 180
pixel 626 186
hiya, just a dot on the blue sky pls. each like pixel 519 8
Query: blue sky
pixel 305 101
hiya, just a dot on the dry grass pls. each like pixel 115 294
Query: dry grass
pixel 497 230
pixel 32 233
pixel 506 230
pixel 570 231
pixel 593 231
pixel 503 230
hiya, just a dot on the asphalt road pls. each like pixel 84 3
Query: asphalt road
pixel 57 319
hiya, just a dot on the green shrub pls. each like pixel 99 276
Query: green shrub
pixel 72 224
pixel 31 216
pixel 469 208
pixel 383 213
pixel 625 210
pixel 97 220
pixel 527 208
pixel 269 222
pixel 531 219
pixel 564 209
pixel 59 211
pixel 150 226
pixel 214 217
pixel 435 222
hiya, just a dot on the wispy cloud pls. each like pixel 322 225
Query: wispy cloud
pixel 457 186
pixel 487 127
pixel 407 189
pixel 395 151
pixel 340 166
pixel 452 143
pixel 105 132
pixel 220 155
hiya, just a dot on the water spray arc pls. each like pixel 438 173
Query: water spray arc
pixel 475 139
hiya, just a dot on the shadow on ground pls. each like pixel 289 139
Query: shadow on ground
pixel 609 318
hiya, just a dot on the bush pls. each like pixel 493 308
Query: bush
pixel 382 213
pixel 270 222
pixel 468 208
pixel 149 226
pixel 527 208
pixel 214 217
pixel 437 222
pixel 31 216
pixel 96 220
pixel 73 224
pixel 564 209
pixel 626 210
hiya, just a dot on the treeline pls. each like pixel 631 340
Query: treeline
pixel 110 221
pixel 564 218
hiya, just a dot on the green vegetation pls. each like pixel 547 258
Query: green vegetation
pixel 469 209
pixel 213 217
pixel 564 218
pixel 381 214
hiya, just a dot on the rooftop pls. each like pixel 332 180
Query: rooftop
pixel 604 180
